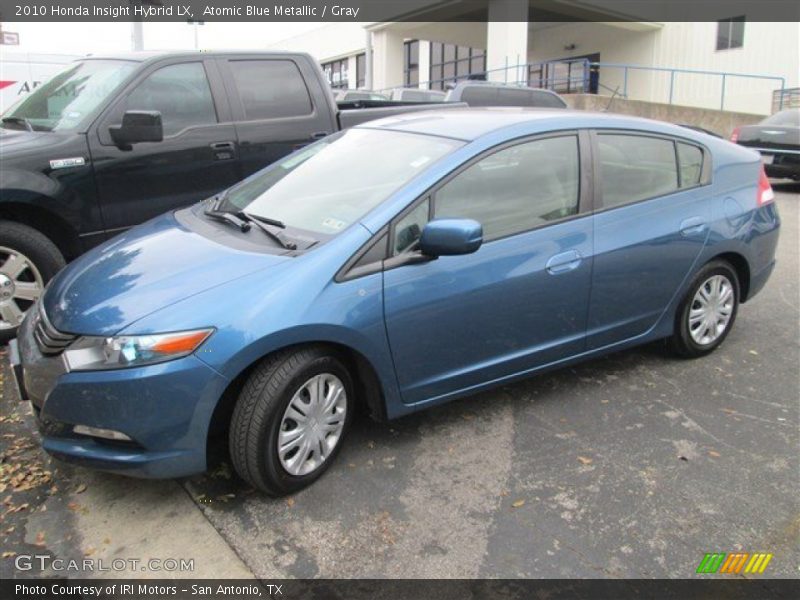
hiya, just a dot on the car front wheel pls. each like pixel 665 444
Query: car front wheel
pixel 290 419
pixel 28 260
pixel 708 311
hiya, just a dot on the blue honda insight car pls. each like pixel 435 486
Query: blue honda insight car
pixel 393 266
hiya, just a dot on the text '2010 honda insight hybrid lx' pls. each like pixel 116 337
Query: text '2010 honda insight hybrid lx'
pixel 393 266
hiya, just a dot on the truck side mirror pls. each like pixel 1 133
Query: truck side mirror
pixel 137 126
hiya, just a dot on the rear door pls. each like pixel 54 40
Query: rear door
pixel 278 105
pixel 653 202
pixel 518 302
pixel 196 158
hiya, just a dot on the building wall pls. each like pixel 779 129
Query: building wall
pixel 769 49
pixel 329 42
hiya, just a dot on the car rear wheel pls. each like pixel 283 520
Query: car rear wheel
pixel 290 419
pixel 28 260
pixel 707 312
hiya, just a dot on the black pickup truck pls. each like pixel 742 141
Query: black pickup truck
pixel 114 140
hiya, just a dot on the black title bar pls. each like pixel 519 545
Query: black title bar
pixel 397 10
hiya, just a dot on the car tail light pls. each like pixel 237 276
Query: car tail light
pixel 765 193
pixel 735 135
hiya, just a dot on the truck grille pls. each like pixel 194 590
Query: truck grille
pixel 49 339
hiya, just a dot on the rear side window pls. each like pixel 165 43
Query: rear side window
pixel 180 93
pixel 634 167
pixel 270 89
pixel 690 163
pixel 516 189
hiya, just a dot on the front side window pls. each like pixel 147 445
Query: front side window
pixel 516 189
pixel 634 167
pixel 66 100
pixel 409 229
pixel 180 93
pixel 270 89
pixel 333 183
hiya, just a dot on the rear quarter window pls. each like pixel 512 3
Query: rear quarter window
pixel 690 164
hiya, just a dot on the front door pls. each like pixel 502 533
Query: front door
pixel 518 302
pixel 196 159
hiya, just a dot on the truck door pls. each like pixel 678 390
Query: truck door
pixel 278 104
pixel 196 159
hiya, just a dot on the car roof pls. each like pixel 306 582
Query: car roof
pixel 469 124
pixel 146 55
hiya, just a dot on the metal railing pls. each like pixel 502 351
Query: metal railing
pixel 583 76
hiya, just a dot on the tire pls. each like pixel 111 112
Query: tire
pixel 689 327
pixel 262 414
pixel 19 242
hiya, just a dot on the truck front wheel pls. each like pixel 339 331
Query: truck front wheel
pixel 28 260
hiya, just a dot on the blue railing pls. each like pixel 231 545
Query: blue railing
pixel 583 76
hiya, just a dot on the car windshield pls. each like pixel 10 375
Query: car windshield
pixel 333 183
pixel 785 118
pixel 64 101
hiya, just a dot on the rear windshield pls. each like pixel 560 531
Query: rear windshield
pixel 508 96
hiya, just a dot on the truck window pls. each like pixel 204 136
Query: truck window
pixel 180 93
pixel 270 89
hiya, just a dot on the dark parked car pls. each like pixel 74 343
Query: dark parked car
pixel 777 138
pixel 393 266
pixel 112 141
pixel 347 96
pixel 481 93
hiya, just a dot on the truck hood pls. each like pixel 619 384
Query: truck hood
pixel 16 140
pixel 143 270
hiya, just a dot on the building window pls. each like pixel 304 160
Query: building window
pixel 336 72
pixel 730 33
pixel 451 63
pixel 361 70
pixel 411 63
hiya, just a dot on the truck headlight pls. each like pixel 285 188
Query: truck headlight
pixel 118 352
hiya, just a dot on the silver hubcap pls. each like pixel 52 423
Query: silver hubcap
pixel 711 310
pixel 20 285
pixel 312 424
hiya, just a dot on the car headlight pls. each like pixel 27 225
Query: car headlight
pixel 118 352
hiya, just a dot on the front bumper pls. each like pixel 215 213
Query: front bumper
pixel 165 409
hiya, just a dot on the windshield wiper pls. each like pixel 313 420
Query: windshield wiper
pixel 226 217
pixel 19 121
pixel 245 225
pixel 251 217
pixel 259 222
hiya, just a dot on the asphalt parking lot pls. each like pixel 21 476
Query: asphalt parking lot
pixel 634 465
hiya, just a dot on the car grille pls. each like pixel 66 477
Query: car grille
pixel 49 339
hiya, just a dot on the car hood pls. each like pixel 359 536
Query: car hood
pixel 143 270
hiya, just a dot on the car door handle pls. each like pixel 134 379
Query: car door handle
pixel 564 262
pixel 693 226
pixel 319 135
pixel 223 150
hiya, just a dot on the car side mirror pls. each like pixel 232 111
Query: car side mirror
pixel 138 126
pixel 451 237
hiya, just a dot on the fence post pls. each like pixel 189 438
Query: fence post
pixel 783 91
pixel 671 84
pixel 722 95
pixel 625 83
